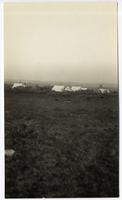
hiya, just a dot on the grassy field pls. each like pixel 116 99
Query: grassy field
pixel 66 145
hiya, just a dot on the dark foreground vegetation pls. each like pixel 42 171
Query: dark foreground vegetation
pixel 66 145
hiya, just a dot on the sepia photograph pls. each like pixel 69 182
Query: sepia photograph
pixel 61 99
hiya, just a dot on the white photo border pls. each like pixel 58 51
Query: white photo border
pixel 2 128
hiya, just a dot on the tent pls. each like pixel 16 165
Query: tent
pixel 58 88
pixel 68 88
pixel 84 89
pixel 104 90
pixel 76 88
pixel 15 85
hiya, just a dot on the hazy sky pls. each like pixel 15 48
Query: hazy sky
pixel 61 42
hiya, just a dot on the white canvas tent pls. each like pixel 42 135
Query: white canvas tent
pixel 68 88
pixel 104 90
pixel 58 88
pixel 15 85
pixel 76 88
pixel 84 89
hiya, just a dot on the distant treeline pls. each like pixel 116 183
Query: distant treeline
pixel 48 89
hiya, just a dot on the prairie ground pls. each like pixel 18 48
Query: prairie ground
pixel 66 145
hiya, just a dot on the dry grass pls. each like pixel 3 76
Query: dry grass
pixel 66 145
